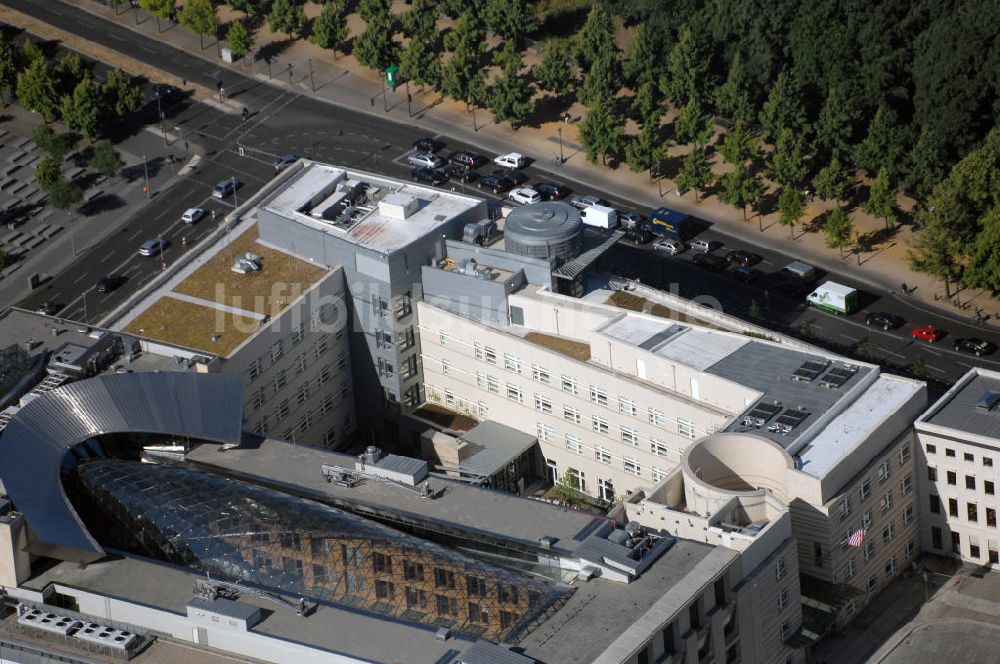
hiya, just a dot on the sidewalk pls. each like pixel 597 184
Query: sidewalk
pixel 343 82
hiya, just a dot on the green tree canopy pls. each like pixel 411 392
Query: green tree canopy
pixel 200 16
pixel 832 181
pixel 421 60
pixel 837 123
pixel 738 145
pixel 121 94
pixel 596 36
pixel 48 172
pixel 64 195
pixel 695 172
pixel 106 160
pixel 161 9
pixel 644 152
pixel 926 163
pixel 554 73
pixel 287 16
pixel 240 39
pixel 510 19
pixel 463 76
pixel 36 89
pixel 375 48
pixel 330 30
pixel 839 229
pixel 510 95
pixel 884 146
pixel 52 143
pixel 646 103
pixel 740 188
pixel 644 63
pixel 371 10
pixel 787 166
pixel 733 98
pixel 81 111
pixel 601 82
pixel 783 107
pixel 790 208
pixel 601 132
pixel 693 125
pixel 687 69
pixel 10 64
pixel 881 201
pixel 70 70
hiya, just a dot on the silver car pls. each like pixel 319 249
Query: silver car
pixel 426 159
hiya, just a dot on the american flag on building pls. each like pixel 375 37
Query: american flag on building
pixel 858 538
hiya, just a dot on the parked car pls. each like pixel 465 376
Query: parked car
pixel 927 333
pixel 153 247
pixel 428 176
pixel 428 144
pixel 586 201
pixel 516 179
pixel 630 219
pixel 745 273
pixel 427 159
pixel 110 282
pixel 711 261
pixel 47 308
pixel 672 247
pixel 460 173
pixel 512 160
pixel 192 215
pixel 525 196
pixel 167 93
pixel 495 184
pixel 703 245
pixel 470 159
pixel 281 163
pixel 883 319
pixel 551 191
pixel 974 346
pixel 639 235
pixel 741 257
pixel 225 188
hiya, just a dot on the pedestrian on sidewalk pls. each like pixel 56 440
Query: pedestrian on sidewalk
pixel 904 289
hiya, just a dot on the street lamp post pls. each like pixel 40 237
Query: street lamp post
pixel 145 170
pixel 180 133
pixel 409 101
pixel 385 97
pixel 163 262
pixel 290 66
pixel 312 83
pixel 72 233
pixel 562 160
pixel 232 178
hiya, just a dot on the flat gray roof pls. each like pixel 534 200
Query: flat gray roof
pixel 225 607
pixel 492 514
pixel 17 326
pixel 493 445
pixel 601 611
pixel 958 408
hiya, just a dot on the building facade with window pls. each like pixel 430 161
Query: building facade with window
pixel 957 461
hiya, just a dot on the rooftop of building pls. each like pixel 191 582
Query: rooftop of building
pixel 43 333
pixel 490 446
pixel 971 406
pixel 366 209
pixel 458 506
pixel 212 308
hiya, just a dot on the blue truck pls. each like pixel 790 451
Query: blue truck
pixel 669 223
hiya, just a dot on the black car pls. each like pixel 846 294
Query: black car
pixel 428 144
pixel 515 178
pixel 109 283
pixel 711 261
pixel 638 235
pixel 469 159
pixel 551 191
pixel 167 93
pixel 47 308
pixel 428 175
pixel 883 319
pixel 746 258
pixel 460 173
pixel 974 346
pixel 495 184
pixel 745 273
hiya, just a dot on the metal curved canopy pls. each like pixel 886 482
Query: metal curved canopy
pixel 35 442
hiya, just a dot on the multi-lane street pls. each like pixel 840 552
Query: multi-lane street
pixel 283 121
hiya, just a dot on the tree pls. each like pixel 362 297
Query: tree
pixel 601 132
pixel 692 125
pixel 199 15
pixel 644 64
pixel 884 145
pixel 510 19
pixel 48 172
pixel 687 70
pixel 596 35
pixel 738 145
pixel 106 160
pixel 783 107
pixel 52 143
pixel 695 173
pixel 881 201
pixel 832 181
pixel 64 195
pixel 790 208
pixel 121 94
pixel 838 228
pixel 787 165
pixel 159 8
pixel 646 103
pixel 36 89
pixel 926 163
pixel 10 65
pixel 286 16
pixel 935 250
pixel 567 490
pixel 421 60
pixel 740 188
pixel 602 81
pixel 240 39
pixel 81 110
pixel 645 151
pixel 371 10
pixel 837 122
pixel 510 95
pixel 553 73
pixel 375 48
pixel 70 71
pixel 732 98
pixel 256 7
pixel 463 75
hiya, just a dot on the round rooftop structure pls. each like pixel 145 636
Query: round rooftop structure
pixel 544 230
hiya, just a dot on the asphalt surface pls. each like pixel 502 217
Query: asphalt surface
pixel 283 122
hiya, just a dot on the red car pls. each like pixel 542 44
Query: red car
pixel 927 333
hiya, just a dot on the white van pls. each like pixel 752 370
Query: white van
pixel 600 216
pixel 513 160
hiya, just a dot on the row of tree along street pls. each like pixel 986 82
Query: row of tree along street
pixel 852 102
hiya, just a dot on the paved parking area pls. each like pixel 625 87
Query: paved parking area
pixel 949 640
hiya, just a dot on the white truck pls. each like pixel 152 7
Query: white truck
pixel 834 297
pixel 511 160
pixel 599 216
